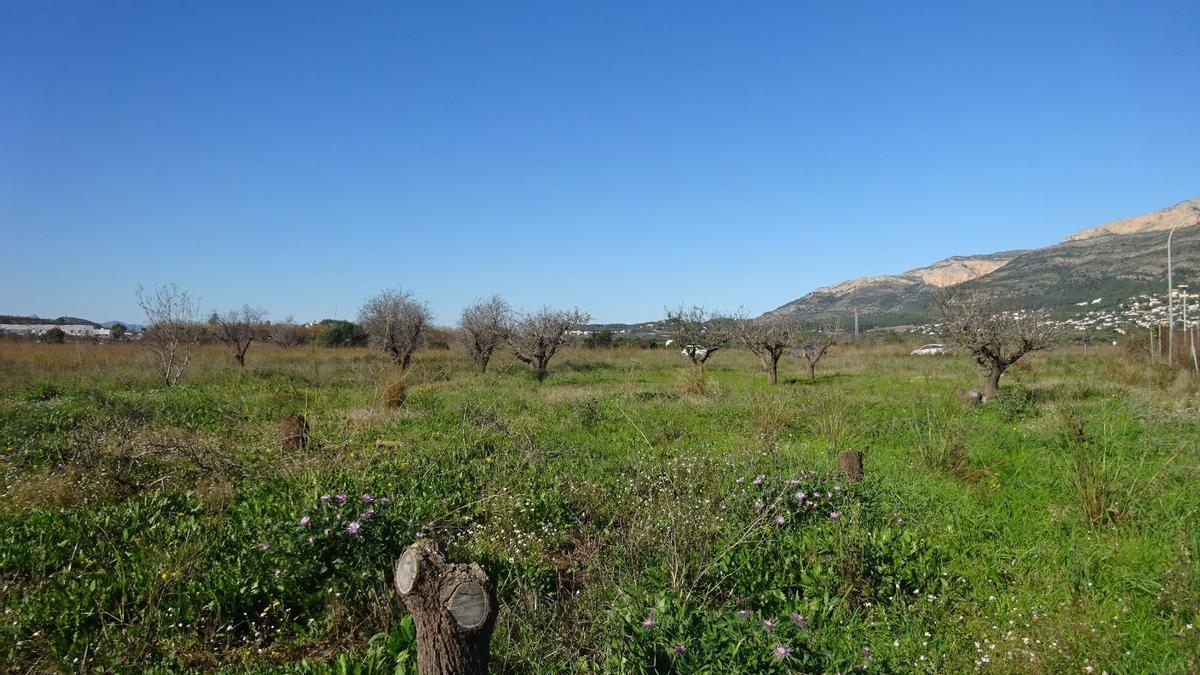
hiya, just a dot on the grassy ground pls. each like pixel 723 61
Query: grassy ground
pixel 633 518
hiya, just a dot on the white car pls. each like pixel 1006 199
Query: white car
pixel 931 350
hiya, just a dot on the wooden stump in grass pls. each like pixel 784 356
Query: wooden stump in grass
pixel 970 399
pixel 394 393
pixel 293 432
pixel 453 608
pixel 850 464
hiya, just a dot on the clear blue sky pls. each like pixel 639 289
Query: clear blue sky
pixel 621 157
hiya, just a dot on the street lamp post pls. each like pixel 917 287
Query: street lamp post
pixel 1170 301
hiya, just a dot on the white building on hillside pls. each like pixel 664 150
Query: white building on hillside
pixel 71 329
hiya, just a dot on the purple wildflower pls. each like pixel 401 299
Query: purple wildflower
pixel 758 479
pixel 304 521
pixel 768 624
pixel 780 520
pixel 743 613
pixel 800 497
pixel 384 501
pixel 368 513
pixel 420 534
pixel 264 546
pixel 833 515
pixel 353 527
pixel 679 649
pixel 758 504
pixel 782 651
pixel 325 498
pixel 799 620
pixel 649 622
pixel 866 649
pixel 341 499
pixel 366 498
pixel 837 488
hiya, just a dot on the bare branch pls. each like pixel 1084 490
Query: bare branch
pixel 767 337
pixel 813 344
pixel 995 338
pixel 397 324
pixel 534 338
pixel 699 333
pixel 172 329
pixel 238 328
pixel 484 326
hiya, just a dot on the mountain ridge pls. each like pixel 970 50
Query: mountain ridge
pixel 1115 257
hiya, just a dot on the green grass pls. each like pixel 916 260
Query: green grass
pixel 150 527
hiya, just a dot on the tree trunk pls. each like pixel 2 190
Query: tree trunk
pixel 991 382
pixel 241 358
pixel 453 608
pixel 812 371
pixel 850 464
pixel 773 371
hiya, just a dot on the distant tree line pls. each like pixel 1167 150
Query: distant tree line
pixel 397 325
pixel 394 323
pixel 607 339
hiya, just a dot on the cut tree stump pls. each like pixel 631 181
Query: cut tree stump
pixel 293 432
pixel 850 464
pixel 453 608
pixel 971 399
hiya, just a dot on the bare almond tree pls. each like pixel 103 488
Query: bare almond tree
pixel 534 338
pixel 484 325
pixel 767 337
pixel 396 323
pixel 172 329
pixel 814 344
pixel 698 333
pixel 238 328
pixel 996 339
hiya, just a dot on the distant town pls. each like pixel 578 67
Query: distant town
pixel 33 326
pixel 1138 312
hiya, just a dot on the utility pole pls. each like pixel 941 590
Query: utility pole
pixel 856 324
pixel 1171 294
pixel 1189 335
pixel 1183 287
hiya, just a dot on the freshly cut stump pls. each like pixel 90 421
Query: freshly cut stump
pixel 850 464
pixel 293 432
pixel 453 608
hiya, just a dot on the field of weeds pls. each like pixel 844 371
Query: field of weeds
pixel 632 518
